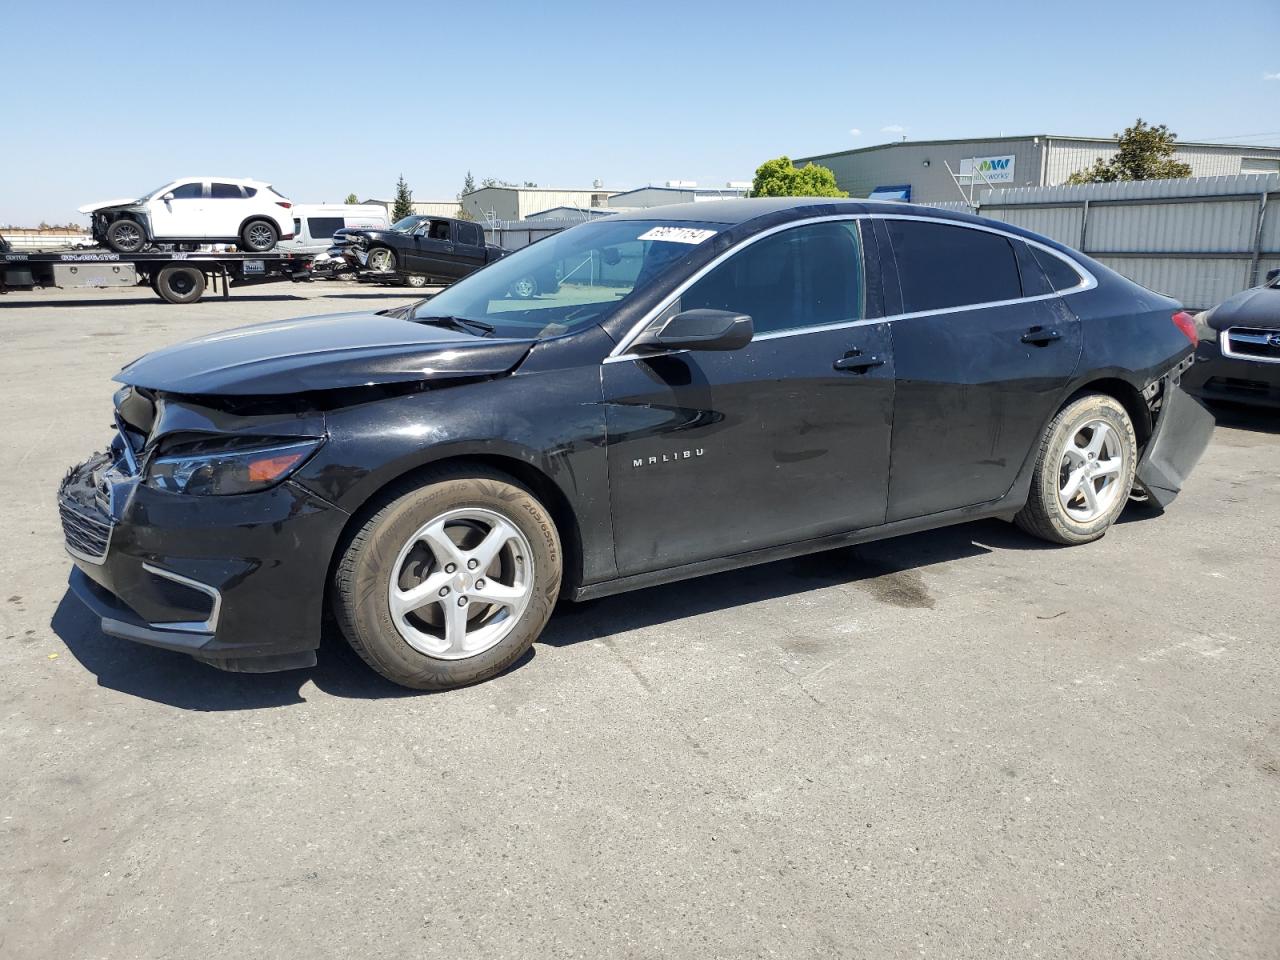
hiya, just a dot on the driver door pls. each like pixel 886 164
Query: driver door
pixel 432 250
pixel 713 454
pixel 182 216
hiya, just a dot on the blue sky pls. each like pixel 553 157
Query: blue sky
pixel 109 99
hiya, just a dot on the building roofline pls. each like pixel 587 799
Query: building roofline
pixel 497 186
pixel 1029 136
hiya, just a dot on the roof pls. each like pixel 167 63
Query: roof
pixel 507 186
pixel 741 209
pixel 737 191
pixel 1029 136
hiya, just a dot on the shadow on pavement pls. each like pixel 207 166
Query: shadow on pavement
pixel 888 566
pixel 151 299
pixel 1242 417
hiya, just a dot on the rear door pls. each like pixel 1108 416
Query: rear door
pixel 713 454
pixel 982 354
pixel 468 248
pixel 227 209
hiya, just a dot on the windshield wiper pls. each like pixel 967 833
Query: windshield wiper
pixel 464 324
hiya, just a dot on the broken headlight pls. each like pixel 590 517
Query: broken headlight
pixel 222 468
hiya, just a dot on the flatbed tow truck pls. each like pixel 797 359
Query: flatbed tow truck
pixel 176 276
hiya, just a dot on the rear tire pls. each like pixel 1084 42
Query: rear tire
pixel 526 288
pixel 126 236
pixel 456 535
pixel 259 236
pixel 179 284
pixel 415 280
pixel 1083 474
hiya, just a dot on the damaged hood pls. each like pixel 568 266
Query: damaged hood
pixel 321 353
pixel 104 204
pixel 1259 307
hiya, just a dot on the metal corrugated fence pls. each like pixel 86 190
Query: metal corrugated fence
pixel 1198 240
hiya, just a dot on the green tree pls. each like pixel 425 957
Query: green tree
pixel 403 206
pixel 352 198
pixel 468 186
pixel 782 178
pixel 1145 153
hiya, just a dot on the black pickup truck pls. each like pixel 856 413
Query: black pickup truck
pixel 421 249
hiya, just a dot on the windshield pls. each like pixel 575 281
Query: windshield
pixel 159 191
pixel 407 224
pixel 570 279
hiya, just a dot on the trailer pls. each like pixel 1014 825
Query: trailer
pixel 175 276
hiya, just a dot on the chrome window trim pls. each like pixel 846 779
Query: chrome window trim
pixel 1249 335
pixel 207 626
pixel 619 352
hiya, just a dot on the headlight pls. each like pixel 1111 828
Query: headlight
pixel 1203 330
pixel 221 468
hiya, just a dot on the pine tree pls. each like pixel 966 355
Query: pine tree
pixel 352 198
pixel 404 200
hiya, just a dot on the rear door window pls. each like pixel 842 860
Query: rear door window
pixel 942 266
pixel 470 233
pixel 225 191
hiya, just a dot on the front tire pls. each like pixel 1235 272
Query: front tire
pixel 126 236
pixel 450 581
pixel 1083 474
pixel 381 260
pixel 259 236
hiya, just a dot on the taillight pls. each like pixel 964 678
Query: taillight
pixel 284 203
pixel 1187 324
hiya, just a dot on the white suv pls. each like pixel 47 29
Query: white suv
pixel 196 210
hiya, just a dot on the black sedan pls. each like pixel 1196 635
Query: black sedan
pixel 1238 358
pixel 708 386
pixel 439 249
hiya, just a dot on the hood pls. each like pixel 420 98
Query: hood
pixel 104 204
pixel 321 353
pixel 1257 307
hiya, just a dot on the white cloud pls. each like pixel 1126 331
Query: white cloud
pixel 855 132
pixel 894 128
pixel 1271 76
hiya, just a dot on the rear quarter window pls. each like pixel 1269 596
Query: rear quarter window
pixel 942 266
pixel 1062 276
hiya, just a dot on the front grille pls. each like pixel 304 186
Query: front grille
pixel 86 530
pixel 1248 343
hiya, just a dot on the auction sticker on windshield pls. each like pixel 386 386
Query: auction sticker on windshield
pixel 677 234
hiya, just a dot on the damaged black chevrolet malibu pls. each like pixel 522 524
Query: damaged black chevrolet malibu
pixel 706 386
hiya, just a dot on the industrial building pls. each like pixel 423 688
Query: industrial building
pixel 429 208
pixel 677 191
pixel 517 203
pixel 917 170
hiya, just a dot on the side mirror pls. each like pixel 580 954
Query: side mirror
pixel 167 197
pixel 701 330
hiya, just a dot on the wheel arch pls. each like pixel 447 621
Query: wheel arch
pixel 527 474
pixel 280 229
pixel 1123 391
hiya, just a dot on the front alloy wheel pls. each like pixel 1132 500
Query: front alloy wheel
pixel 381 260
pixel 450 580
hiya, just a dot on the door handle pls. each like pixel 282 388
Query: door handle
pixel 1040 336
pixel 857 363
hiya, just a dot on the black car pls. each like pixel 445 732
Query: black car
pixel 1238 357
pixel 434 249
pixel 711 385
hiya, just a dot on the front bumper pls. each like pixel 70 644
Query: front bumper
pixel 237 582
pixel 1235 379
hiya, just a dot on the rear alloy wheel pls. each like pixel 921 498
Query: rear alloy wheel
pixel 449 583
pixel 126 236
pixel 179 284
pixel 1083 473
pixel 258 236
pixel 416 280
pixel 381 260
pixel 526 288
